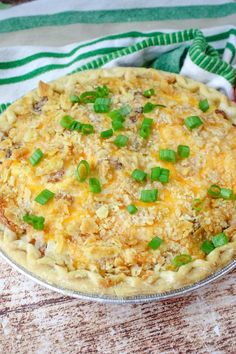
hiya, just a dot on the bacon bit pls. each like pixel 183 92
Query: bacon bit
pixel 116 164
pixel 219 111
pixel 133 118
pixel 37 106
pixel 8 153
pixel 57 176
pixel 171 80
pixel 5 221
pixel 65 196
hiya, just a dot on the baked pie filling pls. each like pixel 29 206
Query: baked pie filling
pixel 119 181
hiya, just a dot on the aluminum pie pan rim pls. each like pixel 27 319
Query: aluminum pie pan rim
pixel 120 300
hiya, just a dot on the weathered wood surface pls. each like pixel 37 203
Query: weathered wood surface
pixel 38 321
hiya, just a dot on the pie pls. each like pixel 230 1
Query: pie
pixel 119 181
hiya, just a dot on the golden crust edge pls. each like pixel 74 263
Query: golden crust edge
pixel 27 256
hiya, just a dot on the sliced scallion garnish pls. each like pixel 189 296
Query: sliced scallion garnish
pixel 36 221
pixel 94 185
pixel 44 196
pixel 181 259
pixel 121 141
pixel 102 105
pixel 155 243
pixel 203 105
pixel 148 93
pixel 82 171
pixel 106 134
pixel 132 209
pixel 183 151
pixel 207 247
pixel 167 155
pixel 36 157
pixel 193 122
pixel 139 175
pixel 220 239
pixel 149 195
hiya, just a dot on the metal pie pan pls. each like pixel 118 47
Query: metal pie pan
pixel 121 300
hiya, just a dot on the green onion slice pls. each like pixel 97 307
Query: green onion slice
pixel 121 141
pixel 76 126
pixel 139 175
pixel 167 155
pixel 183 151
pixel 164 175
pixel 36 221
pixel 181 259
pixel 149 93
pixel 155 173
pixel 214 191
pixel 44 196
pixel 102 91
pixel 226 193
pixel 117 125
pixel 193 122
pixel 204 105
pixel 94 185
pixel 106 134
pixel 67 122
pixel 74 99
pixel 197 204
pixel 82 171
pixel 87 129
pixel 145 129
pixel 149 195
pixel 207 247
pixel 155 243
pixel 88 97
pixel 132 209
pixel 149 107
pixel 36 157
pixel 220 240
pixel 102 105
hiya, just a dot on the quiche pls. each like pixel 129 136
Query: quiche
pixel 119 181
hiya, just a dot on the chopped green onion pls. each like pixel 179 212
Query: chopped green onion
pixel 155 243
pixel 181 259
pixel 155 173
pixel 121 141
pixel 207 247
pixel 36 157
pixel 164 176
pixel 87 129
pixel 149 107
pixel 167 155
pixel 44 196
pixel 214 191
pixel 148 93
pixel 102 91
pixel 106 134
pixel 160 174
pixel 82 171
pixel 193 122
pixel 116 115
pixel 76 126
pixel 197 204
pixel 183 151
pixel 94 185
pixel 102 105
pixel 117 124
pixel 145 129
pixel 139 175
pixel 149 195
pixel 203 105
pixel 36 221
pixel 88 97
pixel 132 209
pixel 125 110
pixel 226 193
pixel 74 99
pixel 220 239
pixel 66 122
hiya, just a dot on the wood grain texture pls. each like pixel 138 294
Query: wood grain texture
pixel 38 321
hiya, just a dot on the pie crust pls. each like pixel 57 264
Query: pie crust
pixel 90 243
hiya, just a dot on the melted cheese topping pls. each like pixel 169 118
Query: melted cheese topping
pixel 94 231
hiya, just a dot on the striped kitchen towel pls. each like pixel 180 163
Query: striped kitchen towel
pixel 207 55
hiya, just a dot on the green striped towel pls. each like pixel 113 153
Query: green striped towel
pixel 207 56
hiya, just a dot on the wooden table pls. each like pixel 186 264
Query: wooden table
pixel 38 321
